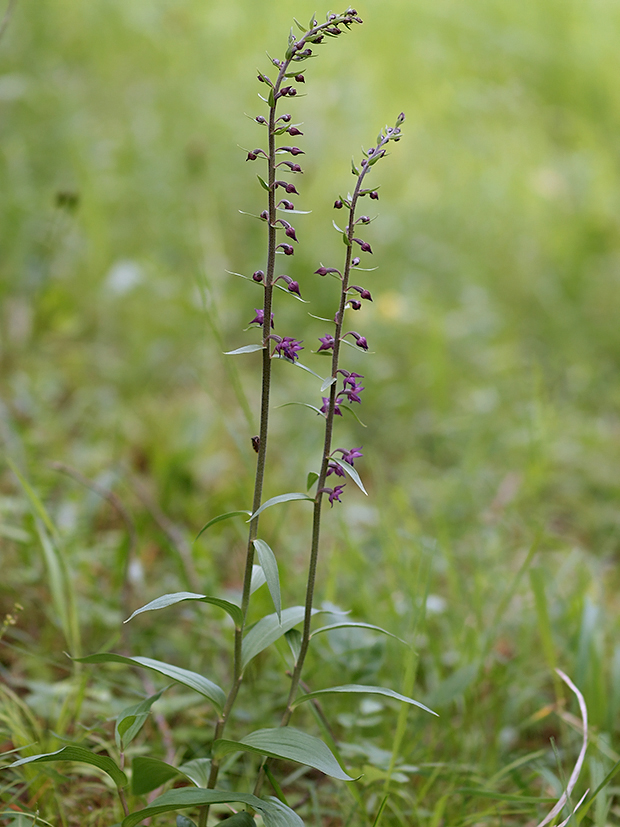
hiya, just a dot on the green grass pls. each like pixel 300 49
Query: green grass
pixel 490 538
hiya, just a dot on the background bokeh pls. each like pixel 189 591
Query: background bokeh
pixel 492 396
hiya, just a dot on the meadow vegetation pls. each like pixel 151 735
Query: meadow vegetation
pixel 490 538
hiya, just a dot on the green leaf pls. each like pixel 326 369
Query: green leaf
pixel 131 720
pixel 268 630
pixel 354 169
pixel 219 519
pixel 337 227
pixel 289 743
pixel 84 756
pixel 148 774
pixel 36 505
pixel 312 478
pixel 177 597
pixel 307 369
pixel 184 821
pixel 274 813
pixel 354 688
pixel 303 29
pixel 327 383
pixel 246 349
pixel 345 238
pixel 241 819
pixel 353 414
pixel 351 472
pixel 192 680
pixel 269 565
pixel 303 405
pixel 258 578
pixel 271 101
pixel 351 624
pixel 288 293
pixel 293 638
pixel 263 183
pixel 281 498
pixel 197 770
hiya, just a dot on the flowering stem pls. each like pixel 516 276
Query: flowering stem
pixel 294 51
pixel 327 451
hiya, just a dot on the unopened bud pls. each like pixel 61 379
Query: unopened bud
pixel 337 204
pixel 290 232
pixel 293 131
pixel 252 156
pixel 365 294
pixel 285 118
pixel 355 261
pixel 260 119
pixel 264 215
pixel 258 275
pixel 300 78
pixel 364 219
pixel 293 287
pixel 374 195
pixel 355 304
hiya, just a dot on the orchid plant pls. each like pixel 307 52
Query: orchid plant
pixel 340 390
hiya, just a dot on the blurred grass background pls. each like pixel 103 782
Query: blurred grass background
pixel 493 438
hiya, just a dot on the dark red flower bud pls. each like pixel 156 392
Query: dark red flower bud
pixel 260 119
pixel 285 118
pixel 300 78
pixel 258 275
pixel 285 90
pixel 337 204
pixel 365 294
pixel 252 156
pixel 291 188
pixel 264 215
pixel 287 249
pixel 364 219
pixel 355 304
pixel 293 287
pixel 374 195
pixel 366 248
pixel 293 131
pixel 364 161
pixel 288 205
pixel 290 232
pixel 292 91
pixel 295 150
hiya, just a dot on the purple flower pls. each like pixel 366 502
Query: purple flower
pixel 360 341
pixel 334 494
pixel 260 317
pixel 353 454
pixel 364 294
pixel 288 348
pixel 366 248
pixel 325 407
pixel 352 394
pixel 334 468
pixel 350 379
pixel 327 343
pixel 323 271
pixel 355 261
pixel 287 249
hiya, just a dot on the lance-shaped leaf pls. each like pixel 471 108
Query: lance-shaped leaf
pixel 354 688
pixel 351 472
pixel 219 519
pixel 268 630
pixel 84 756
pixel 308 370
pixel 149 773
pixel 185 677
pixel 245 349
pixel 352 624
pixel 269 565
pixel 177 597
pixel 131 720
pixel 197 770
pixel 327 383
pixel 274 813
pixel 258 578
pixel 289 743
pixel 281 498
